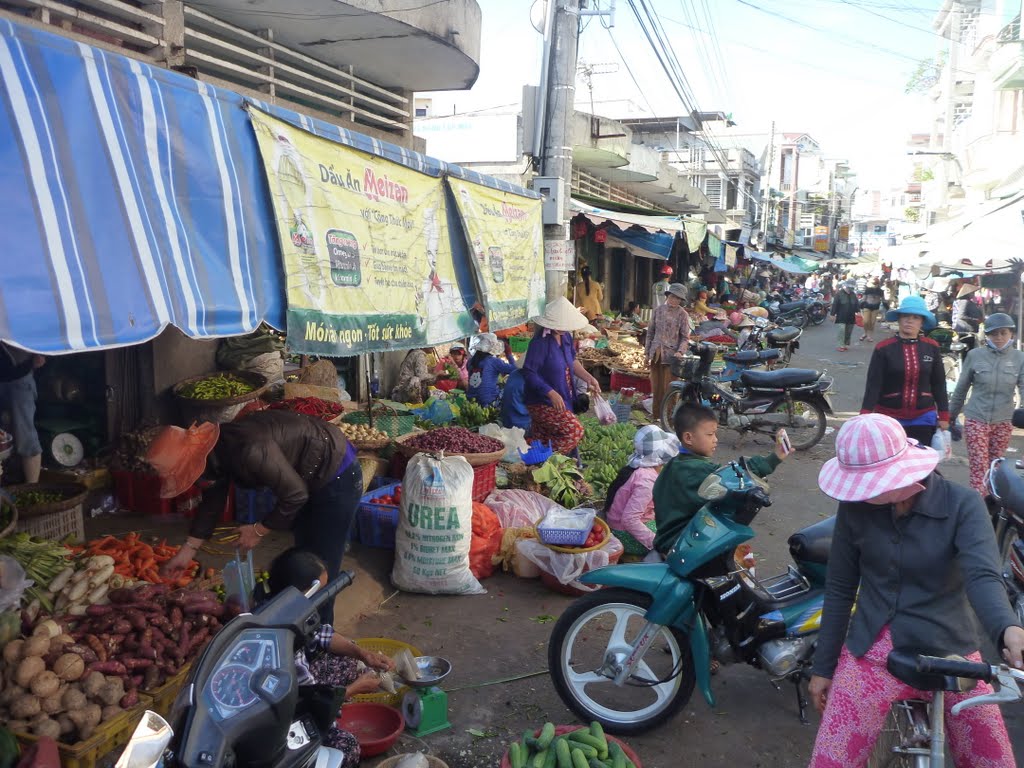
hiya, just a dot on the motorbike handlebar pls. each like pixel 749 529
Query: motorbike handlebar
pixel 975 670
pixel 340 582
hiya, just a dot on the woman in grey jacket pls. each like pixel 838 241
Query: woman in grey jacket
pixel 992 372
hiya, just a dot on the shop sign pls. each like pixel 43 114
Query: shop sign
pixel 506 236
pixel 367 257
pixel 559 255
pixel 821 239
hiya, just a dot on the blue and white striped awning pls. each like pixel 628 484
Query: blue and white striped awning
pixel 133 198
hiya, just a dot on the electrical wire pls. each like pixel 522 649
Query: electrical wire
pixel 856 42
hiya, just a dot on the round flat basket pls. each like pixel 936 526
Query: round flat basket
pixel 72 494
pixel 388 648
pixel 257 381
pixel 474 459
pixel 371 445
pixel 432 762
pixel 6 502
pixel 578 550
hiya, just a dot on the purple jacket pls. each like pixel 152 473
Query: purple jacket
pixel 548 366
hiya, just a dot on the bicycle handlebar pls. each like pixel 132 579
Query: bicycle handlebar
pixel 974 670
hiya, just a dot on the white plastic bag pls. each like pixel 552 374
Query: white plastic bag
pixel 435 528
pixel 604 412
pixel 520 509
pixel 942 442
pixel 514 439
pixel 12 583
pixel 564 519
pixel 566 567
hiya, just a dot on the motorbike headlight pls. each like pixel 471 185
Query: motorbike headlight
pixel 712 489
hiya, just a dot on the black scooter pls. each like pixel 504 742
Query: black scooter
pixel 764 401
pixel 242 705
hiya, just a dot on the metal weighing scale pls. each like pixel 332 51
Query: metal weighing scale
pixel 425 708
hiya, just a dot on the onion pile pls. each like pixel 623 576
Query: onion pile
pixel 455 440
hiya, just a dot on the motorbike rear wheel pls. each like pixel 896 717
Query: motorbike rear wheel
pixel 600 627
pixel 670 403
pixel 817 314
pixel 803 420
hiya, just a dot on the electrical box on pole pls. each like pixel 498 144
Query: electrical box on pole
pixel 550 189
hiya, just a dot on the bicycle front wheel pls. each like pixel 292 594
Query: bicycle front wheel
pixel 906 727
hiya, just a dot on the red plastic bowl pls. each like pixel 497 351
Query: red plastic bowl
pixel 562 729
pixel 375 726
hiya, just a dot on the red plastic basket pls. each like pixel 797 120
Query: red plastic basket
pixel 484 481
pixel 620 380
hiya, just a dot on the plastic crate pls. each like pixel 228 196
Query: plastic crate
pixel 564 537
pixel 253 504
pixel 108 737
pixel 485 480
pixel 620 380
pixel 377 523
pixel 519 344
pixel 54 525
pixel 539 452
pixel 163 696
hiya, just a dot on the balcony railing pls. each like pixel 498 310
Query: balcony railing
pixel 226 52
pixel 1007 61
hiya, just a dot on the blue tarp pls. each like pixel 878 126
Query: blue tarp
pixel 789 264
pixel 133 198
pixel 651 245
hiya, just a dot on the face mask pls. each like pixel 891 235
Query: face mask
pixel 897 495
pixel 998 349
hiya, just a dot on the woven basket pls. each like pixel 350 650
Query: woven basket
pixel 5 499
pixel 256 380
pixel 432 762
pixel 386 419
pixel 388 648
pixel 73 494
pixel 474 459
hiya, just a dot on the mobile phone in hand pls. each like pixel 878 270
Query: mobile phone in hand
pixel 782 439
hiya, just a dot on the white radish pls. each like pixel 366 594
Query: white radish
pixel 102 576
pixel 61 579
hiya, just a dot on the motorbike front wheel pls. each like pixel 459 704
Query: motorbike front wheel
pixel 818 313
pixel 803 420
pixel 597 631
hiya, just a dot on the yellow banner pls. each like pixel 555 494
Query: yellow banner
pixel 367 256
pixel 506 243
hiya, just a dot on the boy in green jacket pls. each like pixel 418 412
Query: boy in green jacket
pixel 675 491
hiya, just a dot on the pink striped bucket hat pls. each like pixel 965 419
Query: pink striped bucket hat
pixel 874 456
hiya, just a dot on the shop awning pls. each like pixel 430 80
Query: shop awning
pixel 790 264
pixel 649 245
pixel 134 199
pixel 668 224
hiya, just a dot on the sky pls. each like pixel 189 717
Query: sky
pixel 835 69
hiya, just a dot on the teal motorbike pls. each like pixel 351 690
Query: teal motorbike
pixel 630 654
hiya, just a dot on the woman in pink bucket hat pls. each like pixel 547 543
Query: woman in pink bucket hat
pixel 898 523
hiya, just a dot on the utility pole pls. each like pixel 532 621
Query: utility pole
pixel 768 193
pixel 556 155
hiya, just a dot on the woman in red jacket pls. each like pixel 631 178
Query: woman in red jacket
pixel 906 378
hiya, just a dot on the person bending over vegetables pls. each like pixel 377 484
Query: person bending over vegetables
pixel 309 465
pixel 337 666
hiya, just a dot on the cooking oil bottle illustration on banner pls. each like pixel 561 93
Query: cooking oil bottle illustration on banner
pixel 438 303
pixel 295 187
pixel 343 250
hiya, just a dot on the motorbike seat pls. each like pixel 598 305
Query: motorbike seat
pixel 781 335
pixel 743 356
pixel 787 377
pixel 789 306
pixel 902 664
pixel 1010 486
pixel 812 544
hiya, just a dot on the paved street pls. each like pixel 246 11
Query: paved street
pixel 503 634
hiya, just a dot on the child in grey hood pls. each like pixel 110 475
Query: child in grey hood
pixel 992 372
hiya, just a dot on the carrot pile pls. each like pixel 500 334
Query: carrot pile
pixel 135 559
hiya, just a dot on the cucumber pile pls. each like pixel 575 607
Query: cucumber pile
pixel 582 748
